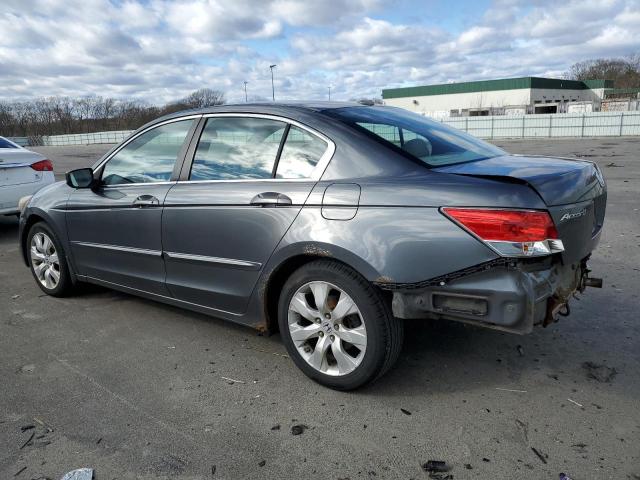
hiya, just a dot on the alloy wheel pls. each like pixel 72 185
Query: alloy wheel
pixel 45 261
pixel 327 328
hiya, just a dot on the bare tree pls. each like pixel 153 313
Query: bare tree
pixel 60 115
pixel 204 97
pixel 368 101
pixel 625 72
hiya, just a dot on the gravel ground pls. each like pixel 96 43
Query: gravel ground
pixel 137 389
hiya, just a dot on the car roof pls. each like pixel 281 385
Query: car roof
pixel 288 107
pixel 267 106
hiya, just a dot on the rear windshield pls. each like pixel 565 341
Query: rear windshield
pixel 4 143
pixel 433 143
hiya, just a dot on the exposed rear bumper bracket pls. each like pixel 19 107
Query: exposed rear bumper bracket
pixel 443 280
pixel 511 296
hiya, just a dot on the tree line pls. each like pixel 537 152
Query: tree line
pixel 625 72
pixel 62 115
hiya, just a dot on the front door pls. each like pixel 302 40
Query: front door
pixel 115 228
pixel 249 178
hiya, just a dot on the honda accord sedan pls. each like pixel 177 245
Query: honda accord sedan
pixel 330 222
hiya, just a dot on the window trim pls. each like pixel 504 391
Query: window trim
pixel 315 176
pixel 180 159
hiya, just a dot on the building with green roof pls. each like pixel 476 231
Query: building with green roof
pixel 502 96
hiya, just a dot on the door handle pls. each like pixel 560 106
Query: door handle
pixel 270 199
pixel 146 201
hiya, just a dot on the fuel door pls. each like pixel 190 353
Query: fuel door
pixel 340 201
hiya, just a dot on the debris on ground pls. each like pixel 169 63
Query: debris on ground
pixel 298 429
pixel 405 411
pixel 564 476
pixel 543 458
pixel 601 373
pixel 262 463
pixel 79 474
pixel 28 368
pixel 574 402
pixel 580 447
pixel 27 427
pixel 524 428
pixel 15 296
pixel 614 165
pixel 20 471
pixel 468 466
pixel 510 390
pixel 520 350
pixel 276 427
pixel 486 460
pixel 433 466
pixel 43 424
pixel 231 380
pixel 33 434
pixel 213 469
pixel 267 351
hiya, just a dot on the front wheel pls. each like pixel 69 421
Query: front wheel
pixel 336 326
pixel 47 261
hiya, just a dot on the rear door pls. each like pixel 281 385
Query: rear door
pixel 248 179
pixel 115 228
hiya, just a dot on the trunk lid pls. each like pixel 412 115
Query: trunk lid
pixel 558 181
pixel 15 167
pixel 573 190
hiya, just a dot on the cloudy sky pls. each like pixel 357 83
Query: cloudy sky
pixel 159 50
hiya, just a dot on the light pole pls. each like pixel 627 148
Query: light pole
pixel 329 92
pixel 273 90
pixel 245 91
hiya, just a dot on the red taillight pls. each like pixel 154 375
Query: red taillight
pixel 505 225
pixel 43 166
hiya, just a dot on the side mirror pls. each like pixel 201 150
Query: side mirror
pixel 80 178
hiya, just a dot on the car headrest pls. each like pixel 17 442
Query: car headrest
pixel 418 147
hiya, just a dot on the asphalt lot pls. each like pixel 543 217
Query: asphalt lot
pixel 136 389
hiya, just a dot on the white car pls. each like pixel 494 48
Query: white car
pixel 22 173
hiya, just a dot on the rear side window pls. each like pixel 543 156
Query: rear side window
pixel 431 142
pixel 300 154
pixel 237 148
pixel 4 143
pixel 149 157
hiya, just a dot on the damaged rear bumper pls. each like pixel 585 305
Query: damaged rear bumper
pixel 508 295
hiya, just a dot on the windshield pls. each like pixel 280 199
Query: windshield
pixel 434 143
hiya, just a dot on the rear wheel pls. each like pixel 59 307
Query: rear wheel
pixel 47 261
pixel 336 326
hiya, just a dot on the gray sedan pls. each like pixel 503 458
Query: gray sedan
pixel 329 222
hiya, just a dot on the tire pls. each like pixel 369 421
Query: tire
pixel 325 353
pixel 45 256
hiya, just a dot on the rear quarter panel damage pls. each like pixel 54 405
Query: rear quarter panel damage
pixel 393 243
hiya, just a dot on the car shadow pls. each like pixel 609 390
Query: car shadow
pixel 437 356
pixel 8 229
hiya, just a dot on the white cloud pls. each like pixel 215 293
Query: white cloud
pixel 159 50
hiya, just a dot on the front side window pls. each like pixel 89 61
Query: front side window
pixel 149 157
pixel 431 142
pixel 300 154
pixel 233 148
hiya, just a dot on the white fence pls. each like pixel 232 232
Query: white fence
pixel 593 124
pixel 86 138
